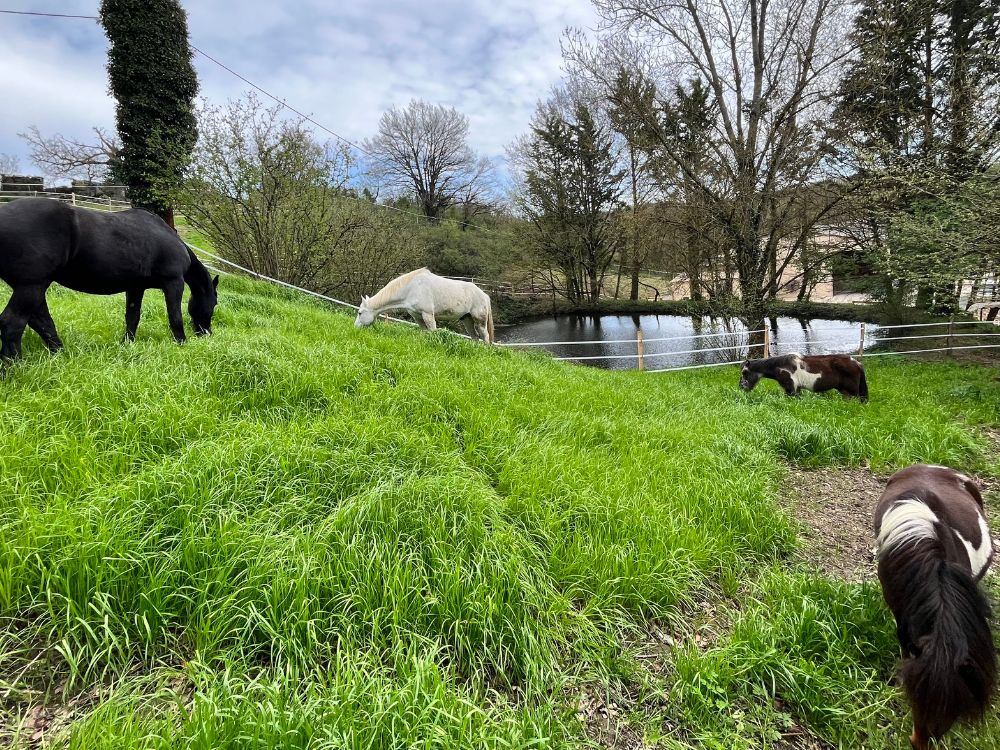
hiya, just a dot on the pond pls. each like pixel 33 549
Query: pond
pixel 677 341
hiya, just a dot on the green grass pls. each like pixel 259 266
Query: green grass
pixel 297 534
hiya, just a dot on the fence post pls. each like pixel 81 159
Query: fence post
pixel 951 331
pixel 641 348
pixel 861 344
pixel 767 341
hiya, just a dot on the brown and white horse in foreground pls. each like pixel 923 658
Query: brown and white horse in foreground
pixel 425 296
pixel 933 548
pixel 797 372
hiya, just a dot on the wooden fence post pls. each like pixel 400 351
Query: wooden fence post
pixel 641 349
pixel 767 341
pixel 951 332
pixel 861 344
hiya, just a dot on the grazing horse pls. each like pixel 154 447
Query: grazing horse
pixel 797 372
pixel 933 548
pixel 44 241
pixel 425 295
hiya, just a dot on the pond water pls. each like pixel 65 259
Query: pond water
pixel 614 338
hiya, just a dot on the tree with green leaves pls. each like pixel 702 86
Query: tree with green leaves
pixel 572 189
pixel 918 113
pixel 154 83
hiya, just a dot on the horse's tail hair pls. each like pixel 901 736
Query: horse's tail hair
pixel 953 675
pixel 489 325
pixel 862 383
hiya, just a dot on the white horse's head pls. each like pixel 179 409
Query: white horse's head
pixel 366 316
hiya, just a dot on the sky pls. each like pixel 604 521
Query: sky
pixel 344 62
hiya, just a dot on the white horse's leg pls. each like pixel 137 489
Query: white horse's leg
pixel 482 330
pixel 418 318
pixel 429 323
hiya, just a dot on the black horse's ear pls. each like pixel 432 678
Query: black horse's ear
pixel 215 282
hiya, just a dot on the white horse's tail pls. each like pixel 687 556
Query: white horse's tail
pixel 489 325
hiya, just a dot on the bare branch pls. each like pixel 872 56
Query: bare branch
pixel 62 157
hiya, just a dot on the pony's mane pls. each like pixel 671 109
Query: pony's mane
pixel 394 286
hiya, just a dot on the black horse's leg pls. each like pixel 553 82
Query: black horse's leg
pixel 23 303
pixel 42 324
pixel 785 381
pixel 133 311
pixel 173 293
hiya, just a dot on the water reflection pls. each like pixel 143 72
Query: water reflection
pixel 611 338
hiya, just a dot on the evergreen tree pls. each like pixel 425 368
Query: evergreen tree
pixel 573 187
pixel 918 110
pixel 154 84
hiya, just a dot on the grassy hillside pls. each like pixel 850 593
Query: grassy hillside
pixel 295 534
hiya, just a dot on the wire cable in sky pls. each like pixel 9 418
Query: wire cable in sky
pixel 280 101
pixel 44 15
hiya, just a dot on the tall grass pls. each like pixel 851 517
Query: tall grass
pixel 387 538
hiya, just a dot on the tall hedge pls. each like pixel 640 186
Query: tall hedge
pixel 154 84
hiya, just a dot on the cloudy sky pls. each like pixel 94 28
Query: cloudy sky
pixel 342 62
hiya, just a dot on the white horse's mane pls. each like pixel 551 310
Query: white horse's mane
pixel 393 286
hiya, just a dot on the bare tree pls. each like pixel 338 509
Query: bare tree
pixel 59 156
pixel 9 164
pixel 423 151
pixel 769 68
pixel 271 198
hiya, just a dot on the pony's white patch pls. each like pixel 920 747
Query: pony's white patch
pixel 978 557
pixel 803 378
pixel 908 521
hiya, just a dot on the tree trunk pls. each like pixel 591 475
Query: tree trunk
pixel 752 295
pixel 925 297
pixel 636 268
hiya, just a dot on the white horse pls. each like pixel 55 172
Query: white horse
pixel 425 295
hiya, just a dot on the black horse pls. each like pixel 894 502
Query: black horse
pixel 797 372
pixel 44 241
pixel 933 548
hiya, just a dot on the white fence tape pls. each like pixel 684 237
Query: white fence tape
pixel 654 355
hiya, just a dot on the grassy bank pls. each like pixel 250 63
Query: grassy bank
pixel 297 534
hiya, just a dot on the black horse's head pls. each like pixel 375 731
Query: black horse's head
pixel 204 298
pixel 748 377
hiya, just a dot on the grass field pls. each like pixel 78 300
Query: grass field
pixel 295 534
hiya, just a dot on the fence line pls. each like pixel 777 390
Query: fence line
pixel 931 325
pixel 629 341
pixel 112 204
pixel 640 355
pixel 943 349
pixel 264 277
pixel 230 263
pixel 854 349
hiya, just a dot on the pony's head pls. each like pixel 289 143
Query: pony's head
pixel 366 316
pixel 201 308
pixel 748 378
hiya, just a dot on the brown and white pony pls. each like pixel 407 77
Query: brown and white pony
pixel 933 548
pixel 797 372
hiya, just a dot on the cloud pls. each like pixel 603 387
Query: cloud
pixel 343 63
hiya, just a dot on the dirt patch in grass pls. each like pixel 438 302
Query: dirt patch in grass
pixel 605 720
pixel 834 506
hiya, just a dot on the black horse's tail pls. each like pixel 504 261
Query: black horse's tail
pixel 862 383
pixel 953 673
